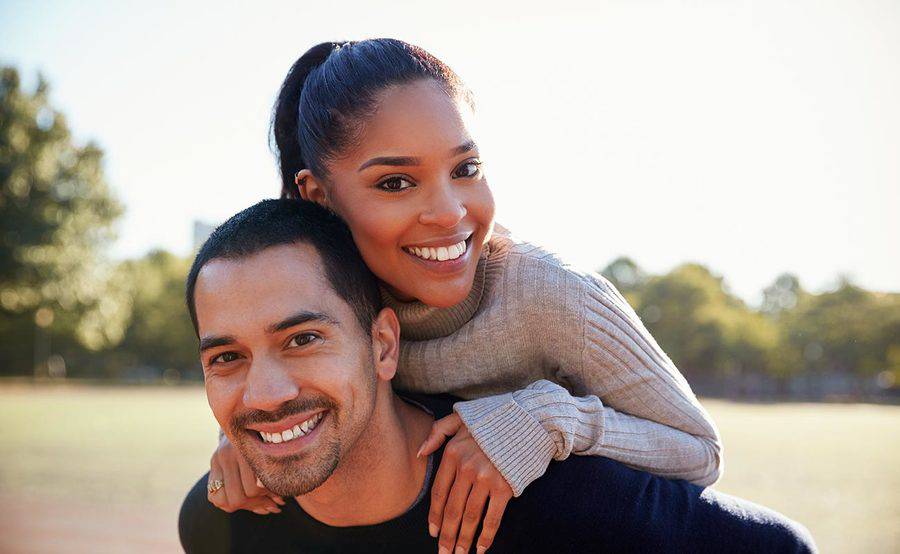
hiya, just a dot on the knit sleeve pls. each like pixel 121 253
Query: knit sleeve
pixel 633 405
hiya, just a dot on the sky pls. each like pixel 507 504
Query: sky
pixel 754 137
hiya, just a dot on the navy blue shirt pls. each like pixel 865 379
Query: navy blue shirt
pixel 583 504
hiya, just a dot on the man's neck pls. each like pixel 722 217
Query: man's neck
pixel 381 477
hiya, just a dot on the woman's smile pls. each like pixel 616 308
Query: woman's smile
pixel 442 255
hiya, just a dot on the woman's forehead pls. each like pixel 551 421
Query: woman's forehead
pixel 415 119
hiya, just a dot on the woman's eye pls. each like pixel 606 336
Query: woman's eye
pixel 468 169
pixel 394 184
pixel 302 339
pixel 224 358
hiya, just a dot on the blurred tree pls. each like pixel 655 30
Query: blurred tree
pixel 56 213
pixel 782 295
pixel 159 336
pixel 848 330
pixel 705 329
pixel 627 276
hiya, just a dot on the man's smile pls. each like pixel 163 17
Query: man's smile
pixel 287 436
pixel 290 433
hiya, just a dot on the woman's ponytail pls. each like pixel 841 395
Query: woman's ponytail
pixel 286 116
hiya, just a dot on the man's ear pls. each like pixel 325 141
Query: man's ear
pixel 311 188
pixel 386 343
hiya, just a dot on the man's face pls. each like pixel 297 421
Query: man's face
pixel 289 372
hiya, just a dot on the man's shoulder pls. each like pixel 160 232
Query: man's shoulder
pixel 203 528
pixel 594 502
pixel 438 405
pixel 200 524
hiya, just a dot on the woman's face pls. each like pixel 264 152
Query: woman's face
pixel 414 195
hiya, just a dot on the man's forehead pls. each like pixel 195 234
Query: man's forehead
pixel 263 288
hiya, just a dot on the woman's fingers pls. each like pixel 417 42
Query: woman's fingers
pixel 218 498
pixel 231 475
pixel 440 430
pixel 262 505
pixel 453 511
pixel 440 490
pixel 248 479
pixel 496 507
pixel 471 517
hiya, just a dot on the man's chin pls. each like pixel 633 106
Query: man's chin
pixel 294 475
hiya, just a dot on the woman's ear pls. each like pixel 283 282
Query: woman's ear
pixel 386 344
pixel 311 188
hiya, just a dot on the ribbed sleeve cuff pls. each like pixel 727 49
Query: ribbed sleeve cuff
pixel 516 443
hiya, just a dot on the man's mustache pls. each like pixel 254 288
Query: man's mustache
pixel 289 408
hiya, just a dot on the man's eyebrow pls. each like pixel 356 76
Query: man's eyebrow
pixel 300 318
pixel 212 342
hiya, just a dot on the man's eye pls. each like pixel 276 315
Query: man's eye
pixel 224 358
pixel 395 184
pixel 302 339
pixel 470 168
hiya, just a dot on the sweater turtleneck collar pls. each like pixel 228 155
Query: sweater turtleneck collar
pixel 419 321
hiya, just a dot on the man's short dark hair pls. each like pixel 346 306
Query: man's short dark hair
pixel 278 222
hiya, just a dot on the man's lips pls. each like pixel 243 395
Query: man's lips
pixel 290 443
pixel 283 424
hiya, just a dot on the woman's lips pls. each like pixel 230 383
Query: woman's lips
pixel 443 259
pixel 438 253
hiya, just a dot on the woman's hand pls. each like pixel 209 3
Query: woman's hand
pixel 242 490
pixel 465 480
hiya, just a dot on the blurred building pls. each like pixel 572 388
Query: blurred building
pixel 202 230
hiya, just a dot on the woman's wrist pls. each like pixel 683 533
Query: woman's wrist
pixel 516 443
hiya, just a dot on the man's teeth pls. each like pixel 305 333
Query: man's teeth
pixel 441 253
pixel 294 432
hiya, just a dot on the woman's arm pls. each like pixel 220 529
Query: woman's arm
pixel 636 406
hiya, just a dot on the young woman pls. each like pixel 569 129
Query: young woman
pixel 553 361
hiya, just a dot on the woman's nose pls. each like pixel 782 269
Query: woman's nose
pixel 445 208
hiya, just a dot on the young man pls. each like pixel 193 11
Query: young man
pixel 298 361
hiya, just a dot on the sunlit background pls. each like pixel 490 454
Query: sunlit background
pixel 753 141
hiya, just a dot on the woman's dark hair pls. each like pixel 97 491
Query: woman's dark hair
pixel 332 88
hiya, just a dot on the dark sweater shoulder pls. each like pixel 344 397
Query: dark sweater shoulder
pixel 438 405
pixel 594 504
pixel 205 529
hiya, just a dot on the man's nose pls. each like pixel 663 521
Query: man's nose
pixel 269 385
pixel 445 208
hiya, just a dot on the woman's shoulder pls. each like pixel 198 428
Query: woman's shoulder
pixel 541 271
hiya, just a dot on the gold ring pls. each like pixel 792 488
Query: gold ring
pixel 214 486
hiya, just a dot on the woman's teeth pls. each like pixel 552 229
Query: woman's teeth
pixel 441 253
pixel 294 432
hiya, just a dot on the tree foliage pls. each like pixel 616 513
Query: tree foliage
pixel 709 332
pixel 159 333
pixel 702 326
pixel 57 214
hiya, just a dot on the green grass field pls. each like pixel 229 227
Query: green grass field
pixel 90 469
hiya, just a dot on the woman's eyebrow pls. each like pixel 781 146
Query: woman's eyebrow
pixel 411 160
pixel 390 160
pixel 463 148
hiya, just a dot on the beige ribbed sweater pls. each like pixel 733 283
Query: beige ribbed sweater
pixel 534 324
